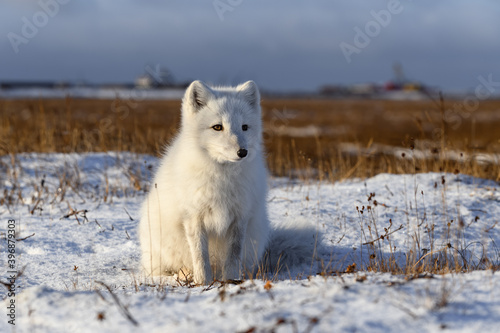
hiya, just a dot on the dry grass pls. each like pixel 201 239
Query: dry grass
pixel 355 138
pixel 305 138
pixel 427 253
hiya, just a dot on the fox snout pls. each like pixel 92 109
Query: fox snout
pixel 242 153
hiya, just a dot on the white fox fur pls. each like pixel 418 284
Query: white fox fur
pixel 206 210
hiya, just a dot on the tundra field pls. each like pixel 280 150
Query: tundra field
pixel 403 195
pixel 305 138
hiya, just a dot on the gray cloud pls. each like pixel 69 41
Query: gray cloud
pixel 281 44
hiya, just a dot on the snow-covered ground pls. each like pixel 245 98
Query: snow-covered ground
pixel 76 222
pixel 425 153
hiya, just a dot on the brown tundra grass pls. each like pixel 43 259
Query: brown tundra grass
pixel 306 138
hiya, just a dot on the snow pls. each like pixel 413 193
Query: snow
pixel 419 154
pixel 70 261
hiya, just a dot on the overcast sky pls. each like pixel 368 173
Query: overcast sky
pixel 283 44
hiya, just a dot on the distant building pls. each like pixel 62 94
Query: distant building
pixel 144 82
pixel 155 77
pixel 400 82
pixel 398 87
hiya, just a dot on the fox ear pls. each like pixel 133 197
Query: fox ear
pixel 250 92
pixel 198 94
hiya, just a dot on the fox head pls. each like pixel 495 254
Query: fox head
pixel 225 121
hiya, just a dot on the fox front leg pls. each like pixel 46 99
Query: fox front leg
pixel 198 244
pixel 235 238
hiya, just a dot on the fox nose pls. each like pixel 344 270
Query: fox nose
pixel 242 153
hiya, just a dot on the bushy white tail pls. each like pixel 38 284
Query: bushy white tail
pixel 292 245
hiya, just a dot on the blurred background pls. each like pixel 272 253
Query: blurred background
pixel 344 80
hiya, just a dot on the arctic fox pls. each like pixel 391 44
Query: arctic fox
pixel 206 212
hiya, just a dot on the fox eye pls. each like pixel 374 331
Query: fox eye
pixel 244 127
pixel 217 127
